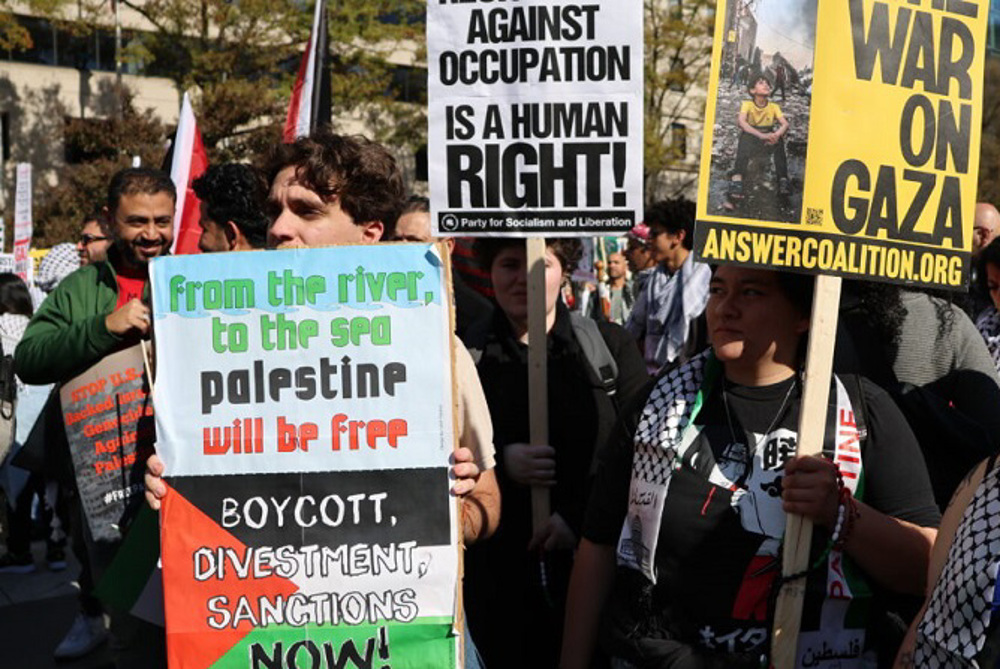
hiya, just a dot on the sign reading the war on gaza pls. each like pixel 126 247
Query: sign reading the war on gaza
pixel 535 116
pixel 304 415
pixel 843 137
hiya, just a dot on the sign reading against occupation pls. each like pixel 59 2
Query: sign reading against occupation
pixel 108 419
pixel 843 138
pixel 304 415
pixel 535 116
pixel 22 221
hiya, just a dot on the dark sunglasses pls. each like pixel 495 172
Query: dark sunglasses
pixel 86 239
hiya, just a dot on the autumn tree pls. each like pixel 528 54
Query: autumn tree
pixel 241 58
pixel 378 72
pixel 96 149
pixel 237 59
pixel 678 56
pixel 989 155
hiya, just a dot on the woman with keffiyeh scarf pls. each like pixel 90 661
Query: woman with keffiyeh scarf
pixel 681 550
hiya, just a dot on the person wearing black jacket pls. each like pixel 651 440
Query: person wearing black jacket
pixel 515 582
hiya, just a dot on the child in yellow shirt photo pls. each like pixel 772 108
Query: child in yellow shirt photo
pixel 762 129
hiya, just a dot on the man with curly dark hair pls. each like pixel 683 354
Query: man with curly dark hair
pixel 331 189
pixel 232 208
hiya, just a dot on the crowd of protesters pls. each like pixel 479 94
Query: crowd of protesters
pixel 673 409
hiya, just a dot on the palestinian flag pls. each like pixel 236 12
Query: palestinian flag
pixel 317 581
pixel 310 105
pixel 189 161
pixel 133 582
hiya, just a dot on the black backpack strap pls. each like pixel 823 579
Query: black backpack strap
pixel 596 351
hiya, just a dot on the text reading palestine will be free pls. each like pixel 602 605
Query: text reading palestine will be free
pixel 288 289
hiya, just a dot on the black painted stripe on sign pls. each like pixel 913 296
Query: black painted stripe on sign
pixel 330 508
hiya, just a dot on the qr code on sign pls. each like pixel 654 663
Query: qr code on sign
pixel 814 216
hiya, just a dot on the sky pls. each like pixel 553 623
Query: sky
pixel 788 26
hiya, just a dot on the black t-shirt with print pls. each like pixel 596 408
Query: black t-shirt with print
pixel 705 551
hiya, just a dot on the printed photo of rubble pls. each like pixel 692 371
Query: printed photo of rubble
pixel 762 110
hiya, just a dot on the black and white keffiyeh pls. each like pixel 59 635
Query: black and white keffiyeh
pixel 953 630
pixel 668 411
pixel 61 261
pixel 988 324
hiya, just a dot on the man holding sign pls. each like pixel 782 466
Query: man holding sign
pixel 332 190
pixel 92 314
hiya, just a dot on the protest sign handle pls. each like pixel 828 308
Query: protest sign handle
pixel 147 361
pixel 538 387
pixel 812 425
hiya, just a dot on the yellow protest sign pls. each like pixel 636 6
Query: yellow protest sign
pixel 843 137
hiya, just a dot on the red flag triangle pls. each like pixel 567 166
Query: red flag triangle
pixel 191 642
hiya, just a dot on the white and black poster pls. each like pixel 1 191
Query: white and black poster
pixel 535 116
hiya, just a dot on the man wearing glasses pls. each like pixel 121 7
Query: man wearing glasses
pixel 95 238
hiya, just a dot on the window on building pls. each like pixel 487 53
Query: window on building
pixel 409 84
pixel 5 137
pixel 993 27
pixel 677 74
pixel 420 163
pixel 678 141
pixel 66 45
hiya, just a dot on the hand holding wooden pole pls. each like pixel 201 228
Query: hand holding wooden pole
pixel 812 426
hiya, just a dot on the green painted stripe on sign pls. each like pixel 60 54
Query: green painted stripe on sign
pixel 424 642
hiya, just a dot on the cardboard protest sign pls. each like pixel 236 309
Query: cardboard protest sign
pixel 535 116
pixel 107 414
pixel 304 415
pixel 875 174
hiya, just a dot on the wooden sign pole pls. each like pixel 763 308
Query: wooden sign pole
pixel 538 387
pixel 812 426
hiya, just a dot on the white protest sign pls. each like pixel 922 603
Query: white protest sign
pixel 319 380
pixel 535 116
pixel 22 221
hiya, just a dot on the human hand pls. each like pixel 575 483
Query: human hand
pixel 133 315
pixel 156 489
pixel 811 488
pixel 465 472
pixel 553 536
pixel 530 465
pixel 772 138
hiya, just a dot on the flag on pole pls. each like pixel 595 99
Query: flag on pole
pixel 310 103
pixel 189 161
pixel 133 582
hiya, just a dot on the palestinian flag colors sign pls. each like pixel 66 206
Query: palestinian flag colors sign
pixel 304 415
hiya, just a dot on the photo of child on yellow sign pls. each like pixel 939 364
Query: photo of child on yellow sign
pixel 762 111
pixel 843 138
